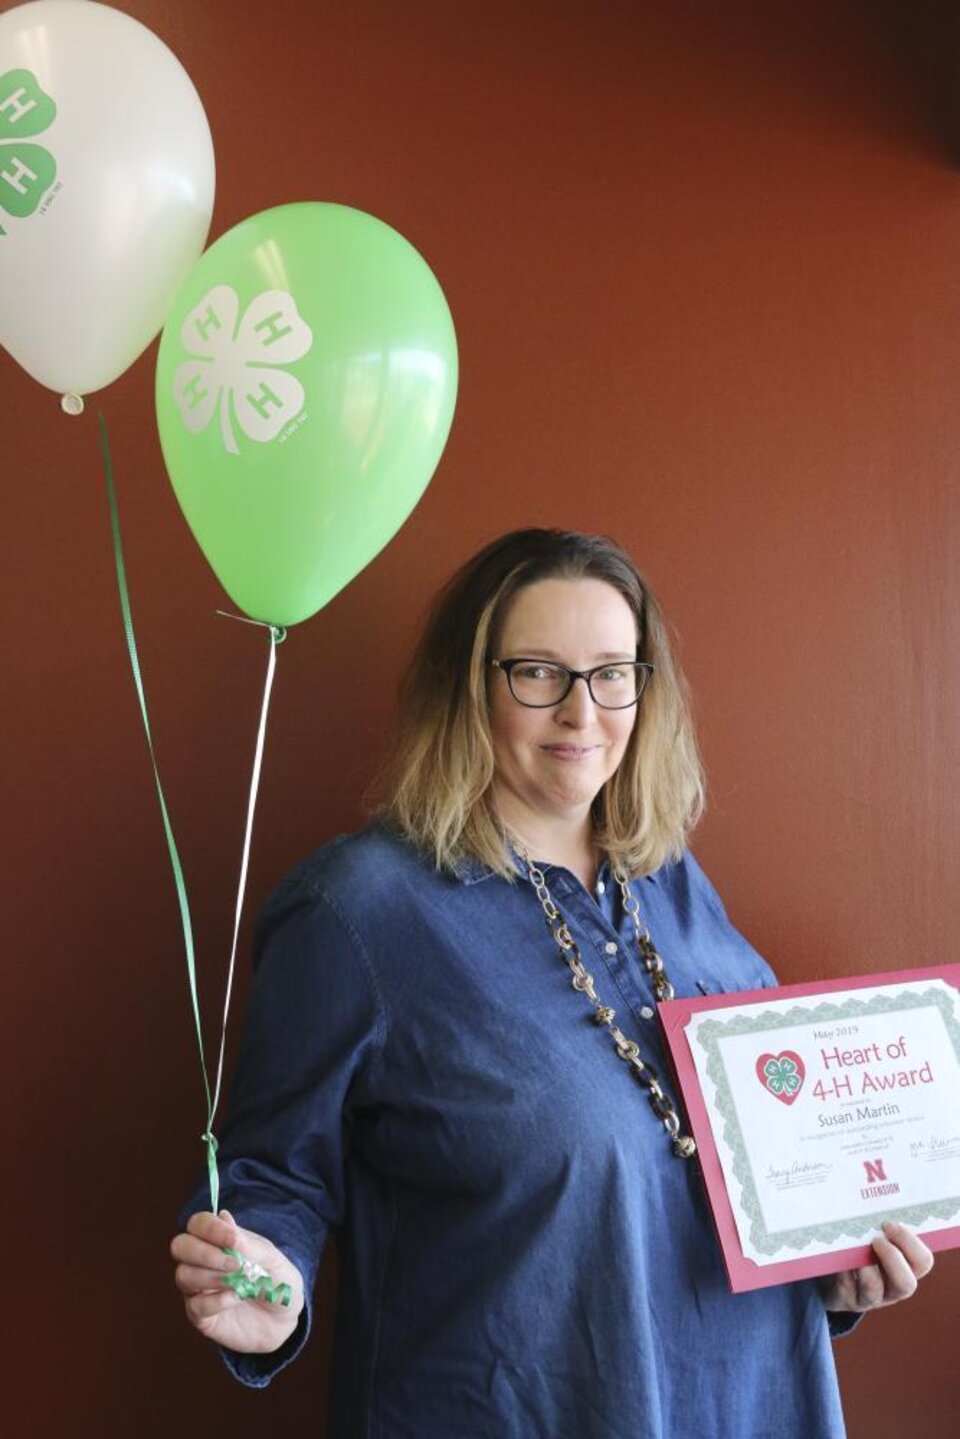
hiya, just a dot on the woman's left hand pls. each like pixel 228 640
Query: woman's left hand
pixel 902 1261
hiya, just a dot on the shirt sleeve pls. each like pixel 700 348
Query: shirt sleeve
pixel 314 1030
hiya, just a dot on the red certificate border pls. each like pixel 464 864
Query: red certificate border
pixel 744 1273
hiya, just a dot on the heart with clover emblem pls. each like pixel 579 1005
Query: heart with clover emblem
pixel 782 1074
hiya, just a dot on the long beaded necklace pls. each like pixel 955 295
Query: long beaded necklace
pixel 684 1146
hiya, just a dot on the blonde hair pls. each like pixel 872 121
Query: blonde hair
pixel 437 782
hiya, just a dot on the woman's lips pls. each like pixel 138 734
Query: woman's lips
pixel 569 751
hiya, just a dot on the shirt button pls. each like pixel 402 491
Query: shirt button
pixel 646 1012
pixel 601 887
pixel 610 947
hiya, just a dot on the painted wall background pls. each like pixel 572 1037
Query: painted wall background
pixel 702 260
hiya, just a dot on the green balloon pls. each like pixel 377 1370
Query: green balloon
pixel 306 384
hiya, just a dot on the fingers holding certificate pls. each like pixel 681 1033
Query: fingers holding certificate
pixel 828 1122
pixel 902 1260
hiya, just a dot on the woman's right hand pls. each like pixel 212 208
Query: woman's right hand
pixel 250 1326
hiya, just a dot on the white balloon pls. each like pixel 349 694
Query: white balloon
pixel 105 194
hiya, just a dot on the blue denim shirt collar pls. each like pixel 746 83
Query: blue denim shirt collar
pixel 469 870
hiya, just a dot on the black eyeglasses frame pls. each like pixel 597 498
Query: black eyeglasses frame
pixel 643 667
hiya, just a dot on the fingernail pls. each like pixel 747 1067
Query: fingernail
pixel 225 1214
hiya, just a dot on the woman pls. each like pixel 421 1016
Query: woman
pixel 524 1247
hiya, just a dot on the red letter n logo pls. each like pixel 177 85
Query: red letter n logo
pixel 875 1174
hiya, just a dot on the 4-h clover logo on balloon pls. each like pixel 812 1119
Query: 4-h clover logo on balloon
pixel 235 364
pixel 782 1074
pixel 26 171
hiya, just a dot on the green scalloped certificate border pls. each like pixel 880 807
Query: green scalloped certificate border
pixel 775 1246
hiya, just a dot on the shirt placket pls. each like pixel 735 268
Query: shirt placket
pixel 605 934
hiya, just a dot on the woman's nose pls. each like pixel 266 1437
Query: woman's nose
pixel 578 706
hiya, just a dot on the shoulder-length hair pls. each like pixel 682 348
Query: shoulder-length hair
pixel 437 783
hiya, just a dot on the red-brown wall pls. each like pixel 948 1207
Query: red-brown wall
pixel 702 261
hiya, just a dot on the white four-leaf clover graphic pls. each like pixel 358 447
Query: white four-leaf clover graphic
pixel 235 364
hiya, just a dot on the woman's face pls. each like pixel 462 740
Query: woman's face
pixel 552 763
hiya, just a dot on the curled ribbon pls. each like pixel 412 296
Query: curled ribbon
pixel 251 1281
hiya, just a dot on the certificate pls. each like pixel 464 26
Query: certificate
pixel 820 1111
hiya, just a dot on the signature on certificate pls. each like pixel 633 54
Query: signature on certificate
pixel 938 1146
pixel 799 1172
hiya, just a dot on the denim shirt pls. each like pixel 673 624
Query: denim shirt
pixel 521 1255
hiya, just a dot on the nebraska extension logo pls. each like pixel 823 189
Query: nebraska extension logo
pixel 26 171
pixel 877 1184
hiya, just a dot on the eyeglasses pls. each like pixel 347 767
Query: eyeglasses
pixel 538 684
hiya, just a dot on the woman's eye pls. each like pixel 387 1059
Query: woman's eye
pixel 537 672
pixel 611 675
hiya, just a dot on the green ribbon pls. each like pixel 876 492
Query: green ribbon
pixel 256 1284
pixel 277 635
